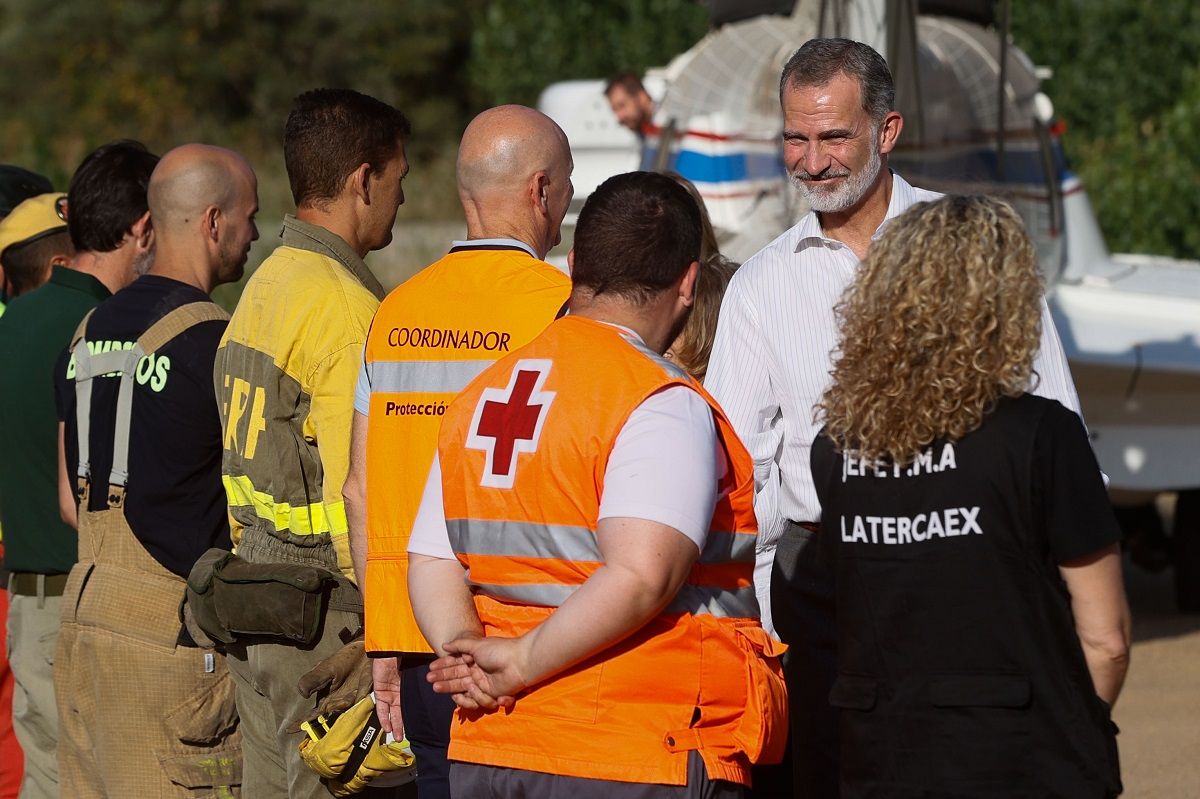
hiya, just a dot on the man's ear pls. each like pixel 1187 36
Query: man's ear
pixel 571 260
pixel 358 183
pixel 143 232
pixel 539 188
pixel 210 222
pixel 687 284
pixel 889 132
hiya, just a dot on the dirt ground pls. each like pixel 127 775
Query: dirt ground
pixel 1159 710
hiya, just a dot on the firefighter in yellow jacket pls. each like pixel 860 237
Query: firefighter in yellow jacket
pixel 285 376
pixel 583 554
pixel 491 294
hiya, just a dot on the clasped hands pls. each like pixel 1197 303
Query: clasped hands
pixel 481 673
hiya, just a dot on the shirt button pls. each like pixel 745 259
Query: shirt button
pixel 670 741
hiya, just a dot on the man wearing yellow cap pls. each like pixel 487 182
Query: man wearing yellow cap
pixel 109 225
pixel 33 240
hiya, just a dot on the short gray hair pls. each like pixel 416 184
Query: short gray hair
pixel 818 61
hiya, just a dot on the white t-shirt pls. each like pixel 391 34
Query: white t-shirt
pixel 664 467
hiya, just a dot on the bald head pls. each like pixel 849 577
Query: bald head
pixel 514 176
pixel 504 147
pixel 202 205
pixel 192 178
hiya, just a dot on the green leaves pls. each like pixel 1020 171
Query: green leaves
pixel 1127 81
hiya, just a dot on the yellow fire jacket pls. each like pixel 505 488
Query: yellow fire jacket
pixel 285 375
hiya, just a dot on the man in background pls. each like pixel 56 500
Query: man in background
pixel 109 224
pixel 630 102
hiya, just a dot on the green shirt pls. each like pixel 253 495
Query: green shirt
pixel 35 329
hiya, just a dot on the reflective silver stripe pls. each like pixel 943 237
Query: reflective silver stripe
pixel 83 408
pixel 729 547
pixel 695 599
pixel 119 475
pixel 702 600
pixel 434 377
pixel 523 540
pixel 550 595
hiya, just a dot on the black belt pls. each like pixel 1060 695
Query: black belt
pixel 812 527
pixel 26 584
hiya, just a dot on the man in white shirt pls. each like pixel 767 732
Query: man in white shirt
pixel 772 354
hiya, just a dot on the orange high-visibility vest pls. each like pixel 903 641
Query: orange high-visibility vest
pixel 431 336
pixel 523 451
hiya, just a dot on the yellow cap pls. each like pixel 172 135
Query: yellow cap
pixel 36 217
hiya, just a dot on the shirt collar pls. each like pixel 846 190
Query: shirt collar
pixel 314 238
pixel 503 243
pixel 808 229
pixel 493 244
pixel 79 281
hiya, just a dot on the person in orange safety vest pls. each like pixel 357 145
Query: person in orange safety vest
pixel 583 556
pixel 491 294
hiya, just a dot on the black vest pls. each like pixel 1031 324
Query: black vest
pixel 960 672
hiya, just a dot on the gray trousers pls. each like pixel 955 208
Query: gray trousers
pixel 492 782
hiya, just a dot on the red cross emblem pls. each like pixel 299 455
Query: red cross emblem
pixel 508 421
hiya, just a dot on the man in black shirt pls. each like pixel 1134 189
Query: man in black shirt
pixel 140 704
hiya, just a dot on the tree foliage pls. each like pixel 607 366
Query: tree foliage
pixel 77 73
pixel 1127 82
pixel 518 46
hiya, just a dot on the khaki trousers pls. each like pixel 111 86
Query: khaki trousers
pixel 33 624
pixel 266 672
pixel 140 715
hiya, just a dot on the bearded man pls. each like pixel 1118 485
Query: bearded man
pixel 771 357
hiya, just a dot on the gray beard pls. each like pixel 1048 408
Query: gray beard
pixel 853 188
pixel 142 264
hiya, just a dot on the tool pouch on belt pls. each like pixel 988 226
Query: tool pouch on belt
pixel 231 598
pixel 762 731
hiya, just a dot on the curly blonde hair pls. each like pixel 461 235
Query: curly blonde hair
pixel 943 319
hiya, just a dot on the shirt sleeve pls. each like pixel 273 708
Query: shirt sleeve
pixel 1068 490
pixel 739 379
pixel 664 464
pixel 331 414
pixel 429 533
pixel 1054 376
pixel 362 390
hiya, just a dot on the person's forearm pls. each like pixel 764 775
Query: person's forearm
pixel 441 601
pixel 1107 666
pixel 612 605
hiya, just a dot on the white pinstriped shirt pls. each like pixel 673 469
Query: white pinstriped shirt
pixel 771 361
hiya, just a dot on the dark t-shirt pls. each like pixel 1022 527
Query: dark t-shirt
pixel 175 503
pixel 956 642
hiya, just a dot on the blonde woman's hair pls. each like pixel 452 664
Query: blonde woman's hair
pixel 943 320
pixel 692 348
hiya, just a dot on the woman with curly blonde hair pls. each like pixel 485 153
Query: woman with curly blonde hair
pixel 983 629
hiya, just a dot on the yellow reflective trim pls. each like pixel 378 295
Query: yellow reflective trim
pixel 314 519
